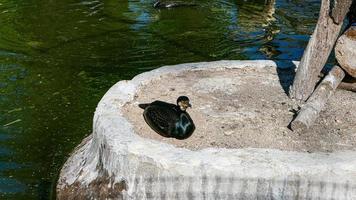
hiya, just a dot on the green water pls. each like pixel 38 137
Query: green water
pixel 58 58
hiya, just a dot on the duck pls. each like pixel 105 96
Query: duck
pixel 169 120
pixel 158 4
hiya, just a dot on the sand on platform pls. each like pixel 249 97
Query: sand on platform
pixel 248 107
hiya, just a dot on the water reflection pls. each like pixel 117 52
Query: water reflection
pixel 57 59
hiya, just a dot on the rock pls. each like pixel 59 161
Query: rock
pixel 228 133
pixel 345 51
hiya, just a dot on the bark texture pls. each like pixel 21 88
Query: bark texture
pixel 338 9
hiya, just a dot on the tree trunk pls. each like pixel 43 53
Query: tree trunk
pixel 310 111
pixel 319 48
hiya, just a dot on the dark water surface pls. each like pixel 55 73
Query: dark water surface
pixel 57 59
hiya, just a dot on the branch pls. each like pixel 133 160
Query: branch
pixel 310 111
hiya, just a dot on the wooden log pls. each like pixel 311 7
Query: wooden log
pixel 318 49
pixel 310 111
pixel 338 7
pixel 347 86
pixel 345 51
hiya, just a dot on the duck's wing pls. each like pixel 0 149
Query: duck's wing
pixel 158 103
pixel 186 127
pixel 161 119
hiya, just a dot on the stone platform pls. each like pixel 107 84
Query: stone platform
pixel 241 149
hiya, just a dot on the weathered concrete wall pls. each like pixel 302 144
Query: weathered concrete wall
pixel 115 163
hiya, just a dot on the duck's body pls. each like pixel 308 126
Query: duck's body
pixel 168 120
pixel 159 4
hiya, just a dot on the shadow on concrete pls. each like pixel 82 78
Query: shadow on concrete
pixel 286 73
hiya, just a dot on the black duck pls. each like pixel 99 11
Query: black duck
pixel 169 120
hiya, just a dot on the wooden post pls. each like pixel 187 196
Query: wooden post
pixel 310 111
pixel 319 48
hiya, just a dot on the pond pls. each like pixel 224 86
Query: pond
pixel 58 58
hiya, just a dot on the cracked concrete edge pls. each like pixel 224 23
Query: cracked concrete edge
pixel 116 151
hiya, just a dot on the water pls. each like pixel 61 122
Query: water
pixel 57 59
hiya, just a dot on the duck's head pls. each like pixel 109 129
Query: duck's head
pixel 183 103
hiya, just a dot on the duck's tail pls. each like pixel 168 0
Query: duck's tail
pixel 143 105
